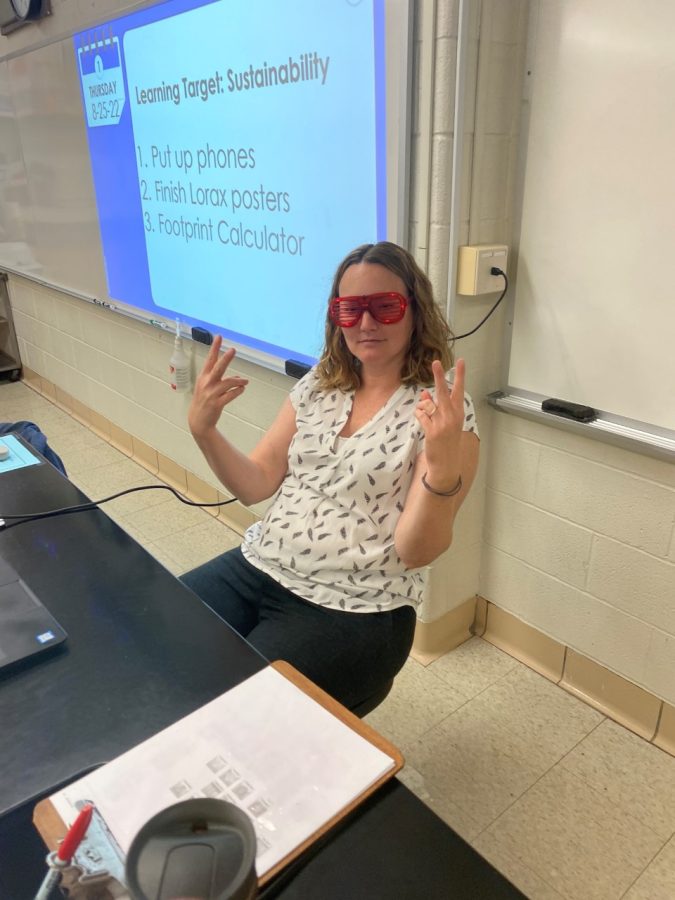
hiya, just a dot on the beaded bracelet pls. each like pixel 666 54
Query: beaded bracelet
pixel 457 488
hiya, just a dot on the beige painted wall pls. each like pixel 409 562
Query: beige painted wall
pixel 572 536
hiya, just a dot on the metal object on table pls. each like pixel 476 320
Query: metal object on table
pixel 96 871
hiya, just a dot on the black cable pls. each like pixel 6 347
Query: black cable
pixel 493 271
pixel 94 504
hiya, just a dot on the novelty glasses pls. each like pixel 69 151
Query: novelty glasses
pixel 385 308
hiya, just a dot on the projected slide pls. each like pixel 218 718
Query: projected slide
pixel 237 149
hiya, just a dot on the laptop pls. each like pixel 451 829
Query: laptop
pixel 27 629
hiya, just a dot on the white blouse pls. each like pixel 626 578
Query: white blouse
pixel 328 535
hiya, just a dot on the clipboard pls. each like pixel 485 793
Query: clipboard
pixel 52 828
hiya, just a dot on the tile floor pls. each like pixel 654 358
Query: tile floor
pixel 565 802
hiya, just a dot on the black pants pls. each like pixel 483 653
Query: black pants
pixel 350 655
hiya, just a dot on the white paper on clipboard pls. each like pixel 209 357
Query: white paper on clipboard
pixel 265 745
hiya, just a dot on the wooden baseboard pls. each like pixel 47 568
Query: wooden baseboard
pixel 523 642
pixel 434 639
pixel 616 697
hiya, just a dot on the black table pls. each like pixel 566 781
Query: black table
pixel 142 652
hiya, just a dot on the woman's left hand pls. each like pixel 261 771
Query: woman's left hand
pixel 442 420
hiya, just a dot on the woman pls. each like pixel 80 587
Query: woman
pixel 369 467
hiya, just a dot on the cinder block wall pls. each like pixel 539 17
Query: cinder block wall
pixel 579 543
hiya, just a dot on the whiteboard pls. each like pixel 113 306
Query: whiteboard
pixel 48 221
pixel 209 161
pixel 594 318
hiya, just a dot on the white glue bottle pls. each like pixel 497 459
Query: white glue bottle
pixel 179 365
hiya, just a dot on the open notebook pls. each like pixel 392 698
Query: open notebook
pixel 294 763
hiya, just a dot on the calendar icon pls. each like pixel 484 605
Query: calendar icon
pixel 102 79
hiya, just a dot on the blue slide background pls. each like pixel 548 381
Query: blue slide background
pixel 324 146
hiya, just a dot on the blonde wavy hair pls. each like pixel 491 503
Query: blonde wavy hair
pixel 431 334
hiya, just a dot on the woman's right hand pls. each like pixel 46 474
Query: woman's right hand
pixel 213 390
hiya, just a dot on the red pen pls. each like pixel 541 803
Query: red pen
pixel 66 851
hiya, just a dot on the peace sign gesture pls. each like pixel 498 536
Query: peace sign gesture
pixel 442 420
pixel 213 390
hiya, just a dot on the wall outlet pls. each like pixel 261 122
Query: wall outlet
pixel 473 269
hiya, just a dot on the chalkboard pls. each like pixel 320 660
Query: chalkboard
pixel 594 318
pixel 209 161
